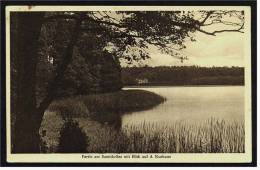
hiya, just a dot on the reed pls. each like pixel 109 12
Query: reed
pixel 211 136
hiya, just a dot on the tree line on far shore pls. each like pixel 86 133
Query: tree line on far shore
pixel 182 75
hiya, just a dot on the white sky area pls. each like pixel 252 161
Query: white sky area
pixel 225 49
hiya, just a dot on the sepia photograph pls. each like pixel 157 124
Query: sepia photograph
pixel 129 84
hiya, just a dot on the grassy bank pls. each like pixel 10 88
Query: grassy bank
pixel 117 102
pixel 122 101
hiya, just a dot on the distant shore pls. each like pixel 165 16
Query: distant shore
pixel 182 76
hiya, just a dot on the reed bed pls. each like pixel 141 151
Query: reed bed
pixel 210 136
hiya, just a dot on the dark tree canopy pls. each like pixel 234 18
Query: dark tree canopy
pixel 129 33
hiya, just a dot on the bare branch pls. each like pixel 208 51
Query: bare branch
pixel 220 31
pixel 207 16
pixel 215 21
pixel 218 21
pixel 97 20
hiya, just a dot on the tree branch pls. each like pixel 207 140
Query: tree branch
pixel 220 31
pixel 207 16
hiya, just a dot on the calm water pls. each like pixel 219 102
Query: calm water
pixel 192 104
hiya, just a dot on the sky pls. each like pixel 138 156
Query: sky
pixel 225 49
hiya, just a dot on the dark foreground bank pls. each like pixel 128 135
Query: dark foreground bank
pixel 118 102
pixel 93 112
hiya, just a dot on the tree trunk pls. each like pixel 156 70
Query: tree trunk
pixel 26 135
pixel 29 118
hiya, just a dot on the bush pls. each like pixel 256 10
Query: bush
pixel 72 139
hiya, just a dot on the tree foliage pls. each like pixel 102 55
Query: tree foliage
pixel 129 33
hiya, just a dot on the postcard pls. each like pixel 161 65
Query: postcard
pixel 129 84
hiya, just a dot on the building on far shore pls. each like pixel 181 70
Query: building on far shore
pixel 142 81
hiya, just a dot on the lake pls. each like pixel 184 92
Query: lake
pixel 191 103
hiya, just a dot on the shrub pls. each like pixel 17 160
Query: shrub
pixel 72 139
